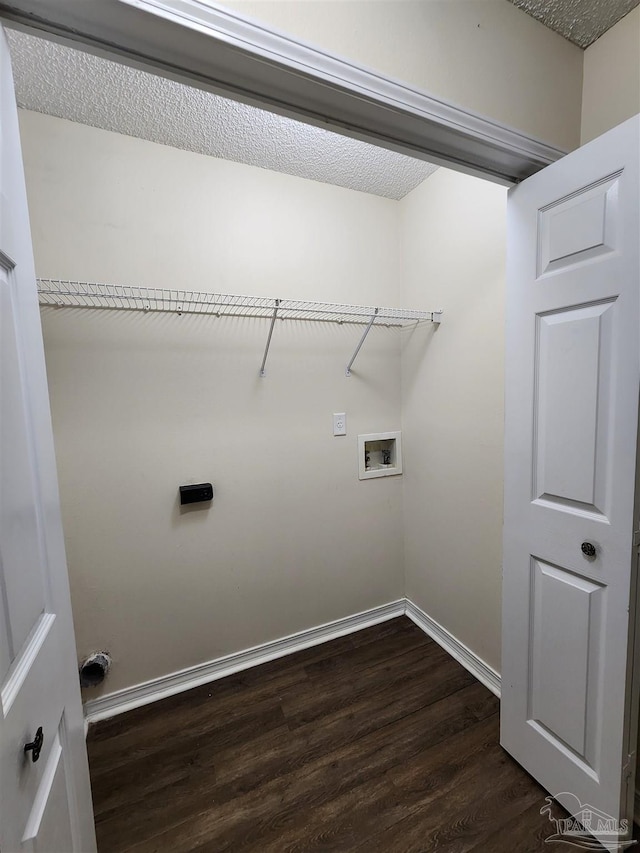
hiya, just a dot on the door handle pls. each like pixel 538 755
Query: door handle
pixel 35 746
pixel 588 549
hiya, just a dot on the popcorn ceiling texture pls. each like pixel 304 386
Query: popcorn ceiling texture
pixel 70 84
pixel 579 21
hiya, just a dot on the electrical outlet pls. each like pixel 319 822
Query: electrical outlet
pixel 339 423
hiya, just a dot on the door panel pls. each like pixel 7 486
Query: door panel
pixel 565 663
pixel 20 533
pixel 19 529
pixel 578 228
pixel 45 804
pixel 572 390
pixel 23 712
pixel 49 825
pixel 571 425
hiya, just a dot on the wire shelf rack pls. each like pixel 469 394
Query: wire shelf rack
pixel 83 294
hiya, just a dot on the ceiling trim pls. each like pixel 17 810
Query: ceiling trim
pixel 220 50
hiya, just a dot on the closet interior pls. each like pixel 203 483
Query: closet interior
pixel 275 358
pixel 162 375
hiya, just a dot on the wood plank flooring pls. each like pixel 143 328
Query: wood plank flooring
pixel 378 741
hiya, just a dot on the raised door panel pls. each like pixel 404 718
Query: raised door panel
pixel 49 827
pixel 564 700
pixel 23 587
pixel 571 454
pixel 579 227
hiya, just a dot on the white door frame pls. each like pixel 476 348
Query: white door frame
pixel 221 51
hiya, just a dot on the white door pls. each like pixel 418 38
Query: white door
pixel 572 384
pixel 45 804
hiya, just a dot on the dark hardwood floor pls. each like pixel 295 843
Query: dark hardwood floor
pixel 378 741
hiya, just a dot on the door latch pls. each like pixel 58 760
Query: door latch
pixel 35 746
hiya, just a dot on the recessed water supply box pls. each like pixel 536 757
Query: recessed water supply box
pixel 379 455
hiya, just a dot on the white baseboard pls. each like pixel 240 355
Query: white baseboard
pixel 176 682
pixel 469 660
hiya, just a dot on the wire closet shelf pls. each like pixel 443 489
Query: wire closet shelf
pixel 82 294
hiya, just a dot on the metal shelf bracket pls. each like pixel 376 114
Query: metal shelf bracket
pixel 362 340
pixel 266 349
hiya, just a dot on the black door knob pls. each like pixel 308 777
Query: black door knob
pixel 35 746
pixel 588 549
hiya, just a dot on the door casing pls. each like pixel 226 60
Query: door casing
pixel 219 50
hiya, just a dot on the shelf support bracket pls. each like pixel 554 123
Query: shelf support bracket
pixel 266 349
pixel 362 340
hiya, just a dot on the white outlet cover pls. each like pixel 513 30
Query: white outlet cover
pixel 339 423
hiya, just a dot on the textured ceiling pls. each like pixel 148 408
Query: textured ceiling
pixel 580 21
pixel 67 83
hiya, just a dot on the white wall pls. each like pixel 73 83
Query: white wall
pixel 143 403
pixel 484 55
pixel 454 240
pixel 611 86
